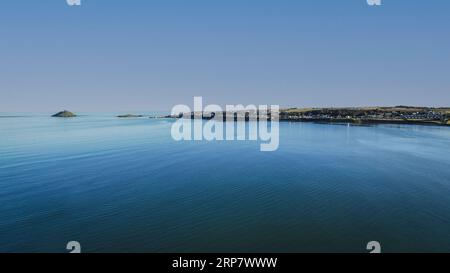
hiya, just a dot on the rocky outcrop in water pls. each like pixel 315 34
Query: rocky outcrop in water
pixel 64 114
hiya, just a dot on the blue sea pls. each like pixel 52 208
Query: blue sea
pixel 124 185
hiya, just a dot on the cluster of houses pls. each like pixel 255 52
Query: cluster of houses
pixel 430 115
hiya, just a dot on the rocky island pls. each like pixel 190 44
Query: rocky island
pixel 64 114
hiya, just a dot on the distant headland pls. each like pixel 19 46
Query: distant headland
pixel 356 115
pixel 362 115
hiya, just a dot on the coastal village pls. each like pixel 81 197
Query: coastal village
pixel 397 114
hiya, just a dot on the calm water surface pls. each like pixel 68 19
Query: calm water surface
pixel 123 185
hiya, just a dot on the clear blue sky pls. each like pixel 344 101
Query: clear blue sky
pixel 150 55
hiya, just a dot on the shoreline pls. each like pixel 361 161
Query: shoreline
pixel 342 121
pixel 368 121
pixel 409 115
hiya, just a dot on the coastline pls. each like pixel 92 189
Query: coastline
pixel 409 115
pixel 369 121
pixel 355 115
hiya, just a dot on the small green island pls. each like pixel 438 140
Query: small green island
pixel 64 114
pixel 130 116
